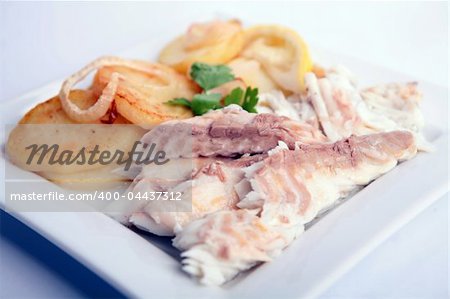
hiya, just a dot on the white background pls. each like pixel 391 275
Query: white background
pixel 41 42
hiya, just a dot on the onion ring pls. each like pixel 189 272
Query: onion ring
pixel 100 108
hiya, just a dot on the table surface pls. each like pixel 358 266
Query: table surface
pixel 40 42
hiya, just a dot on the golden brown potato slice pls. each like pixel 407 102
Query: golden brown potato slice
pixel 215 42
pixel 141 97
pixel 92 179
pixel 51 111
pixel 47 123
pixel 70 137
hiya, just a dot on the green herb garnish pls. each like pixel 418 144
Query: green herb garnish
pixel 235 97
pixel 202 103
pixel 250 100
pixel 180 101
pixel 209 77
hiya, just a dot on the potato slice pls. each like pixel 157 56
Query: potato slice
pixel 281 52
pixel 44 124
pixel 91 179
pixel 215 42
pixel 51 111
pixel 251 72
pixel 141 98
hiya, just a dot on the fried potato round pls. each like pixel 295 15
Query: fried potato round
pixel 142 97
pixel 93 179
pixel 215 42
pixel 48 124
pixel 51 111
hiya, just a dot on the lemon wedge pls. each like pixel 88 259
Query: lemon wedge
pixel 281 52
pixel 215 42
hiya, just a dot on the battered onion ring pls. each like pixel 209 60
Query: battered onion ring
pixel 103 103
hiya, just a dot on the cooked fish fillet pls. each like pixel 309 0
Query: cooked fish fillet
pixel 206 185
pixel 339 107
pixel 305 112
pixel 293 186
pixel 399 103
pixel 288 189
pixel 229 132
pixel 276 103
pixel 343 110
pixel 293 107
pixel 224 243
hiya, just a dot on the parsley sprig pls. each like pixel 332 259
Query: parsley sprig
pixel 209 77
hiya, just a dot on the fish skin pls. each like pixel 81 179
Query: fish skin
pixel 229 132
pixel 287 191
pixel 207 185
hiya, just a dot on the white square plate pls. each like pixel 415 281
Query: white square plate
pixel 144 266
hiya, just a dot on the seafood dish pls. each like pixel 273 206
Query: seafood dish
pixel 258 138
